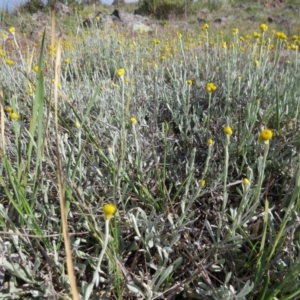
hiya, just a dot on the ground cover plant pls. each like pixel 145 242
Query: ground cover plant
pixel 150 165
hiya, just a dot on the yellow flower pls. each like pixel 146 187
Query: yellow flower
pixel 263 27
pixel 162 58
pixel 246 181
pixel 256 34
pixel 126 80
pixel 294 47
pixel 30 91
pixel 133 120
pixel 155 42
pixel 265 135
pixel 67 60
pixel 224 45
pixel 12 30
pixel 35 69
pixel 235 30
pixel 2 53
pixel 77 124
pixel 239 78
pixel 8 109
pixel 9 62
pixel 280 35
pixel 256 63
pixel 189 82
pixel 202 182
pixel 210 142
pixel 120 72
pixel 109 210
pixel 211 87
pixel 295 37
pixel 14 116
pixel 205 26
pixel 227 130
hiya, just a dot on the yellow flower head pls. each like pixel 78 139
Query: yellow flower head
pixel 8 109
pixel 256 35
pixel 210 142
pixel 12 30
pixel 109 210
pixel 227 130
pixel 294 47
pixel 263 27
pixel 9 62
pixel 211 87
pixel 256 63
pixel 205 26
pixel 265 135
pixel 120 72
pixel 189 82
pixel 155 42
pixel 280 35
pixel 235 30
pixel 14 116
pixel 202 182
pixel 35 68
pixel 133 120
pixel 246 181
pixel 77 124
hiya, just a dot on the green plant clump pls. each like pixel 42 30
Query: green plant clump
pixel 163 9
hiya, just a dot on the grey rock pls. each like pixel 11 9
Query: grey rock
pixel 62 9
pixel 218 21
pixel 120 18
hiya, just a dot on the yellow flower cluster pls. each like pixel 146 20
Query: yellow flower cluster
pixel 205 26
pixel 235 30
pixel 109 210
pixel 246 182
pixel 281 35
pixel 211 87
pixel 227 130
pixel 210 142
pixel 9 62
pixel 13 115
pixel 202 182
pixel 263 27
pixel 256 34
pixel 155 42
pixel 120 72
pixel 133 120
pixel 265 135
pixel 12 30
